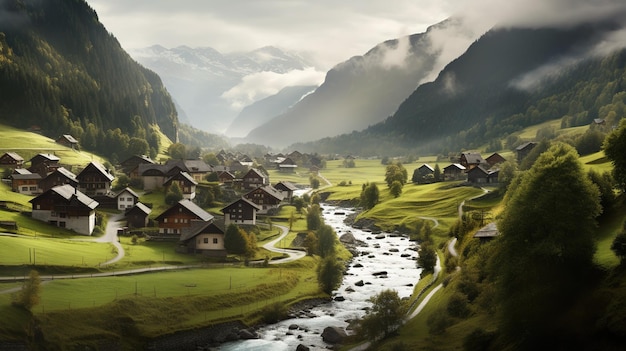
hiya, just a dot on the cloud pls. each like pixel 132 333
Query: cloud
pixel 263 84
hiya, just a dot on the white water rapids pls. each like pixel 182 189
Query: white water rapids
pixel 391 253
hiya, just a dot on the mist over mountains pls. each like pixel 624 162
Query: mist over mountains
pixel 212 88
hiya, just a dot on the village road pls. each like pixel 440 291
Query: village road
pixel 293 254
pixel 110 236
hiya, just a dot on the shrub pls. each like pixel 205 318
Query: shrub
pixel 438 322
pixel 478 340
pixel 458 306
pixel 274 313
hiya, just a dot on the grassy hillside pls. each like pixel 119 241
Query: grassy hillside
pixel 28 144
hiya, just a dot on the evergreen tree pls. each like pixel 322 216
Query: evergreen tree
pixel 545 247
pixel 396 188
pixel 313 218
pixel 327 239
pixel 369 195
pixel 236 240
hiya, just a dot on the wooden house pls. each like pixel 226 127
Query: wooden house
pixel 95 179
pixel 481 175
pixel 242 211
pixel 137 216
pixel 287 188
pixel 254 178
pixel 206 238
pixel 44 164
pixel 185 182
pixel 25 182
pixel 287 166
pixel 197 169
pixel 266 197
pixel 524 149
pixel 132 163
pixel 454 171
pixel 126 199
pixel 67 140
pixel 225 177
pixel 152 175
pixel 60 176
pixel 180 216
pixel 11 160
pixel 495 159
pixel 65 207
pixel 487 232
pixel 470 160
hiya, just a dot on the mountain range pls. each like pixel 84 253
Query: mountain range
pixel 201 79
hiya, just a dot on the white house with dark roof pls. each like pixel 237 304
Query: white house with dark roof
pixel 126 199
pixel 206 238
pixel 65 207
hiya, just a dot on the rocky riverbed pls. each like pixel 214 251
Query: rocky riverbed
pixel 382 261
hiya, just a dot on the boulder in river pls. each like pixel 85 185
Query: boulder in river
pixel 334 335
pixel 302 348
pixel 359 283
pixel 347 238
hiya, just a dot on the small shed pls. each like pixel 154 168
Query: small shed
pixel 137 216
pixel 487 232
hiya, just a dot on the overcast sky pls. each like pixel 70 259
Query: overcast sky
pixel 331 30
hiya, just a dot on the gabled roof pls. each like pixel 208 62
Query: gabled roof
pixel 49 157
pixel 480 169
pixel 14 156
pixel 455 165
pixel 98 167
pixel 68 192
pixel 242 200
pixel 226 173
pixel 287 185
pixel 21 171
pixel 488 231
pixel 140 207
pixel 70 139
pixel 191 207
pixel 199 227
pixel 24 174
pixel 270 190
pixel 253 172
pixel 473 157
pixel 127 190
pixel 425 165
pixel 64 172
pixel 181 176
pixel 525 145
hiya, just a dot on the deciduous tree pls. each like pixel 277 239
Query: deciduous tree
pixel 546 245
pixel 329 274
pixel 29 295
pixel 615 150
pixel 385 316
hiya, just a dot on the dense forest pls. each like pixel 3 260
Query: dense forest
pixel 61 72
pixel 487 94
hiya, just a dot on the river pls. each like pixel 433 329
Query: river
pixel 382 252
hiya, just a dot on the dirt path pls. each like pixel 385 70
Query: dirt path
pixel 110 236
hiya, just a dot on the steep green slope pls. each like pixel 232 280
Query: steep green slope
pixel 62 71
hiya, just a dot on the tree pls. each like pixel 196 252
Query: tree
pixel 236 240
pixel 137 146
pixel 311 243
pixel 298 203
pixel 329 274
pixel 546 245
pixel 29 295
pixel 437 174
pixel 177 151
pixel 619 244
pixel 315 182
pixel 395 171
pixel 614 148
pixel 396 188
pixel 174 194
pixel 369 195
pixel 313 219
pixel 385 316
pixel 427 258
pixel 327 238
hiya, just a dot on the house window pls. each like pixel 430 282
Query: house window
pixel 122 199
pixel 206 240
pixel 24 188
pixel 53 214
pixel 62 224
pixel 130 199
pixel 214 240
pixel 165 220
pixel 33 188
pixel 39 207
pixel 175 220
pixel 63 215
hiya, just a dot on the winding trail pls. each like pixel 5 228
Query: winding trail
pixel 293 254
pixel 110 236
